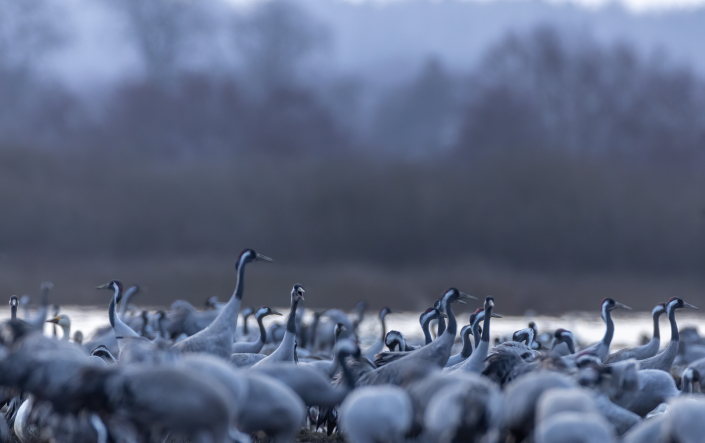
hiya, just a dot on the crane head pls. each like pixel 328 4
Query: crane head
pixel 431 314
pixel 338 329
pixel 677 303
pixel 297 293
pixel 453 295
pixel 658 309
pixel 249 255
pixel 265 311
pixel 387 310
pixel 113 285
pixel 489 302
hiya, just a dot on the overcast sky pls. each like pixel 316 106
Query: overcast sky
pixel 378 37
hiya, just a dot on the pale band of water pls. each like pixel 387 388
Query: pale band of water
pixel 587 327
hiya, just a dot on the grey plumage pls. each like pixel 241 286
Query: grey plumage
pixel 664 360
pixel 476 362
pixel 272 407
pixel 469 408
pixel 285 350
pixel 376 414
pixel 522 395
pixel 575 427
pixel 255 346
pixel 378 345
pixel 311 385
pixel 186 319
pixel 602 348
pixel 217 338
pixel 424 361
pixel 245 360
pixel 645 351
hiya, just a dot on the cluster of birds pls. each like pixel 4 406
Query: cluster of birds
pixel 190 375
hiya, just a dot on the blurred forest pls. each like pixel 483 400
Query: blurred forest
pixel 559 170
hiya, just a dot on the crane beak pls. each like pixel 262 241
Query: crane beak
pixel 276 313
pixel 689 306
pixel 261 257
pixel 495 315
pixel 103 286
pixel 464 296
pixel 620 305
pixel 54 320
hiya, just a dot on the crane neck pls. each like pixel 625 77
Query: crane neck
pixel 609 331
pixel 227 317
pixel 244 324
pixel 291 321
pixel 674 327
pixel 467 344
pixel 125 301
pixel 143 329
pixel 441 326
pixel 486 324
pixel 13 312
pixel 111 306
pixel 476 333
pixel 115 322
pixel 383 322
pixel 262 331
pixel 657 333
pixel 452 324
pixel 426 332
pixel 347 373
pixel 162 328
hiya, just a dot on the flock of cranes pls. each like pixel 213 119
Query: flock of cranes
pixel 190 375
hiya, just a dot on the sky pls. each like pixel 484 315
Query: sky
pixel 636 6
pixel 399 31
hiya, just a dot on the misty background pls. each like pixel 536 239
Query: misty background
pixel 548 154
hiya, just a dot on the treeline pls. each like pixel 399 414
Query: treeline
pixel 217 81
pixel 556 153
pixel 542 210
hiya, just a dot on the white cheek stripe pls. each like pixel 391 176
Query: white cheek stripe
pixel 242 260
pixel 671 305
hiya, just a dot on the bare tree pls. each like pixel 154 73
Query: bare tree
pixel 275 41
pixel 30 30
pixel 166 33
